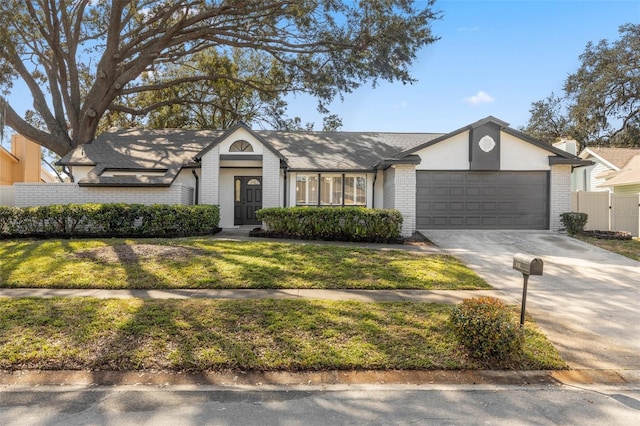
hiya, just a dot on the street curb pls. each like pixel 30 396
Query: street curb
pixel 333 377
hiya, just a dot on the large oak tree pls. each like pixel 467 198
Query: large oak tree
pixel 81 58
pixel 601 102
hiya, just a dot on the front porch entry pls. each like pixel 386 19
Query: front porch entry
pixel 247 199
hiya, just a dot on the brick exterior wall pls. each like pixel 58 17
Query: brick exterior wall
pixel 400 194
pixel 271 188
pixel 44 194
pixel 210 177
pixel 388 189
pixel 560 196
pixel 405 196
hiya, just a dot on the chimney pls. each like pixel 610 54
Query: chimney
pixel 568 145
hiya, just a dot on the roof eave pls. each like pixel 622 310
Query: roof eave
pixel 555 160
pixel 124 184
pixel 388 162
pixel 329 170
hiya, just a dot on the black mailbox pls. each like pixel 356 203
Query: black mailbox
pixel 528 265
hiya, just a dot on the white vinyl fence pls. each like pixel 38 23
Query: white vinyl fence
pixel 7 195
pixel 608 211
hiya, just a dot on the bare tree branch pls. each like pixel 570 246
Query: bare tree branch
pixel 94 54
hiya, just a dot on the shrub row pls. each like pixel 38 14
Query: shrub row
pixel 344 223
pixel 110 220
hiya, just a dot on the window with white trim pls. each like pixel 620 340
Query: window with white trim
pixel 355 191
pixel 331 189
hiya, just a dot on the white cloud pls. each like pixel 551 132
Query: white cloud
pixel 479 98
pixel 401 105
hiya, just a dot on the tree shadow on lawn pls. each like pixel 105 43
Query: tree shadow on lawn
pixel 277 266
pixel 213 335
pixel 302 335
pixel 17 254
pixel 214 264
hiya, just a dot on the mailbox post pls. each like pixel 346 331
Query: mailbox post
pixel 527 265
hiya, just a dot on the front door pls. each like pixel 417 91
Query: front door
pixel 247 199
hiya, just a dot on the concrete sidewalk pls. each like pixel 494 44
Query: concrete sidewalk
pixel 434 296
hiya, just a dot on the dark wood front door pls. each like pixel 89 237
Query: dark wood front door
pixel 247 199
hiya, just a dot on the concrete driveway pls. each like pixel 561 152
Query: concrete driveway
pixel 587 301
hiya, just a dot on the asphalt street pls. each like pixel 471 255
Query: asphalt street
pixel 353 405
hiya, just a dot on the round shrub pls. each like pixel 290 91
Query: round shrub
pixel 574 222
pixel 485 327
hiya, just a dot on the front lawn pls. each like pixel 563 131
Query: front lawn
pixel 210 335
pixel 628 248
pixel 202 262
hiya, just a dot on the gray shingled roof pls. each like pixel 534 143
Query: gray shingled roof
pixel 341 150
pixel 139 149
pixel 171 149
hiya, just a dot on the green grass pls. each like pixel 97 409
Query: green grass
pixel 265 335
pixel 628 248
pixel 210 263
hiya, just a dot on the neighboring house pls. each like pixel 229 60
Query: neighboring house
pixel 483 176
pixel 614 169
pixel 23 163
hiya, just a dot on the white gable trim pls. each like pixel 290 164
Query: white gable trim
pixel 241 134
pixel 587 152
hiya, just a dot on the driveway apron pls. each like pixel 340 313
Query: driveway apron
pixel 587 301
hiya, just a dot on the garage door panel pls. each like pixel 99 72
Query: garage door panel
pixel 473 191
pixel 456 206
pixel 456 191
pixel 440 221
pixel 456 220
pixel 482 200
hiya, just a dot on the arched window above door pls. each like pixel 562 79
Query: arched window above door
pixel 241 146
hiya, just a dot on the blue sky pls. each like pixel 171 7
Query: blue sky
pixel 493 58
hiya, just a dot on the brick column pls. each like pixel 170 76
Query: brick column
pixel 405 196
pixel 210 177
pixel 271 188
pixel 560 194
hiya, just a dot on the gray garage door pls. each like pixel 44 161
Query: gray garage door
pixel 482 200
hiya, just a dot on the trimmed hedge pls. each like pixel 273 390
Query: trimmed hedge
pixel 485 327
pixel 333 223
pixel 108 220
pixel 574 222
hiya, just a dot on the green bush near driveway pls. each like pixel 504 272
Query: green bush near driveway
pixel 574 222
pixel 486 328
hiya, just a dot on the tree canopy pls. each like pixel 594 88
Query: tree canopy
pixel 601 102
pixel 82 59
